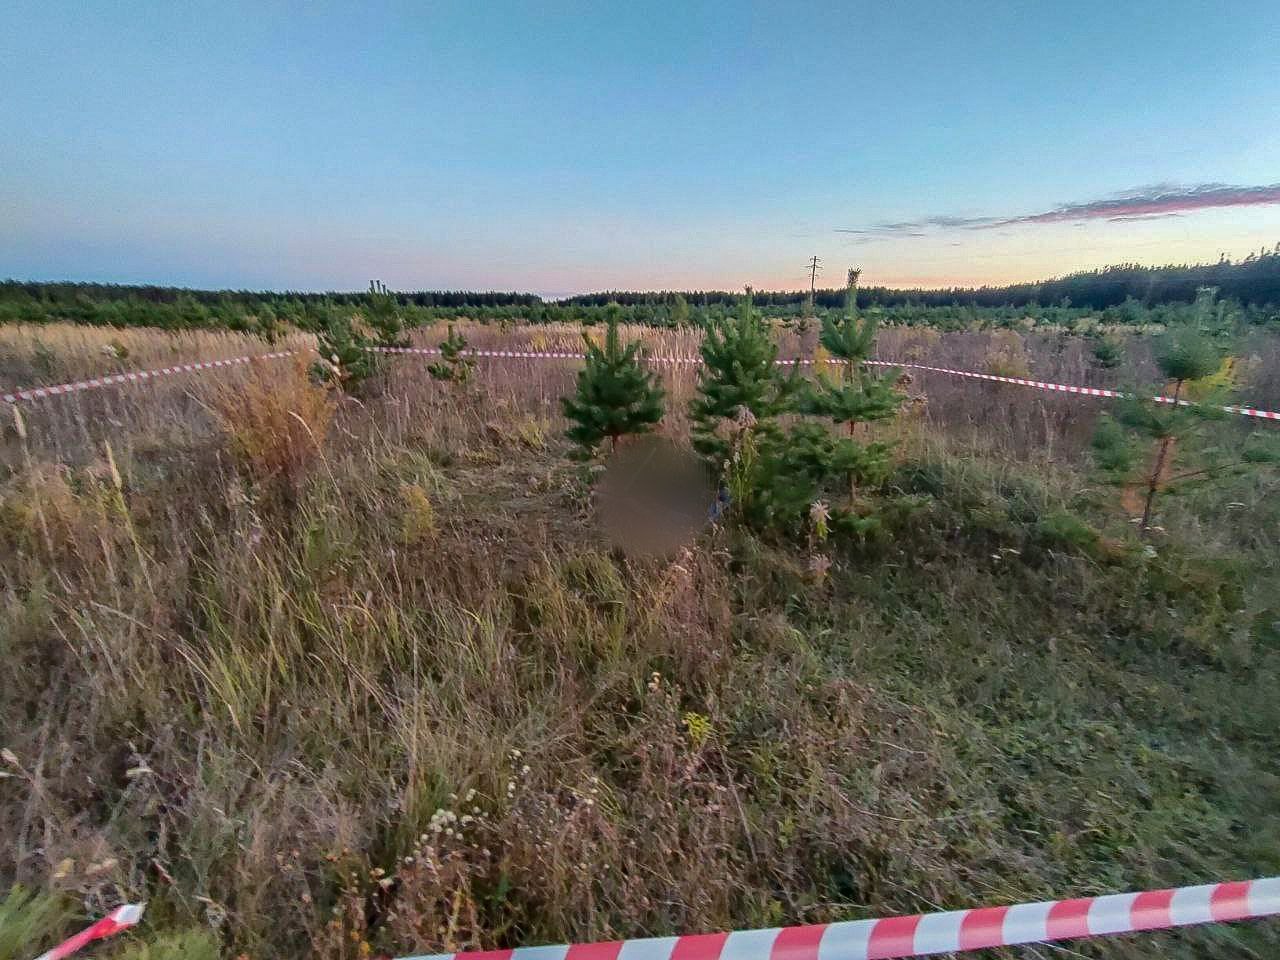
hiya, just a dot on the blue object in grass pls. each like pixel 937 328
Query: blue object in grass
pixel 720 504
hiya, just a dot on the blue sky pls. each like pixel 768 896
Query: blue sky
pixel 567 147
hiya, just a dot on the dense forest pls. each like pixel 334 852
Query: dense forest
pixel 1254 280
pixel 1247 290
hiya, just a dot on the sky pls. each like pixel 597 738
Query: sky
pixel 560 148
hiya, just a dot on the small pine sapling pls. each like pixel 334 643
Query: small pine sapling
pixel 383 315
pixel 268 326
pixel 1198 381
pixel 1108 352
pixel 860 395
pixel 346 360
pixel 679 315
pixel 792 469
pixel 454 364
pixel 739 373
pixel 615 395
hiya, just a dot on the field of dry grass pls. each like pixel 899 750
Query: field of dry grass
pixel 33 356
pixel 326 678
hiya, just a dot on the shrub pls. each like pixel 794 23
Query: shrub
pixel 1007 356
pixel 1108 352
pixel 418 519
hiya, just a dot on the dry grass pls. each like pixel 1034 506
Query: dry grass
pixel 272 716
pixel 275 421
pixel 33 355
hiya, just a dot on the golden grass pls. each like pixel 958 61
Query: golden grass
pixel 37 355
pixel 276 420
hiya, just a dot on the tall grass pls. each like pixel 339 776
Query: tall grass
pixel 424 703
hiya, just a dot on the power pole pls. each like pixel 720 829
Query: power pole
pixel 815 264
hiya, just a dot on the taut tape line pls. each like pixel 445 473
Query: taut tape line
pixel 932 933
pixel 39 393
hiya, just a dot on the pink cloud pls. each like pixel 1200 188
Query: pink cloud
pixel 1148 203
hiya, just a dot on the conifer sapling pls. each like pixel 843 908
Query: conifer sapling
pixel 1199 381
pixel 860 395
pixel 615 395
pixel 383 315
pixel 739 373
pixel 345 358
pixel 454 364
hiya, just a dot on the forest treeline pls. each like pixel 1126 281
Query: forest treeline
pixel 1128 294
pixel 1254 280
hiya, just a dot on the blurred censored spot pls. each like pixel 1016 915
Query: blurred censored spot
pixel 654 497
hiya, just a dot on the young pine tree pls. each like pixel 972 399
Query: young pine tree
pixel 345 358
pixel 860 395
pixel 1108 352
pixel 383 315
pixel 1136 445
pixel 454 365
pixel 615 396
pixel 739 373
pixel 679 315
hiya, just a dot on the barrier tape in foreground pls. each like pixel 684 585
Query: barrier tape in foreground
pixel 931 933
pixel 38 393
pixel 121 918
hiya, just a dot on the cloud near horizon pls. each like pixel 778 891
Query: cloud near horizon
pixel 1146 203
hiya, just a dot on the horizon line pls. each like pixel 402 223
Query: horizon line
pixel 559 295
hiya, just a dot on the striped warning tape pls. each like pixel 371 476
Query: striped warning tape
pixel 121 918
pixel 37 393
pixel 1068 388
pixel 931 933
pixel 993 378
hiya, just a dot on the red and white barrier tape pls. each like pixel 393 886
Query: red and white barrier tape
pixel 1020 381
pixel 39 393
pixel 121 918
pixel 1067 388
pixel 931 933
